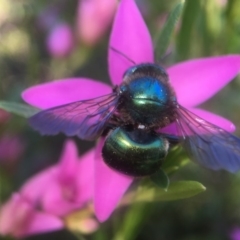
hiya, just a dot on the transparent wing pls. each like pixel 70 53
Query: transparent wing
pixel 207 144
pixel 85 119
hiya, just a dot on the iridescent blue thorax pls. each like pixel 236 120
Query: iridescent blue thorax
pixel 149 90
pixel 147 96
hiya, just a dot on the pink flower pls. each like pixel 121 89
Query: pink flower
pixel 93 19
pixel 194 81
pixel 51 194
pixel 60 40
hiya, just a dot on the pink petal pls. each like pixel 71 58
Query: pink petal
pixel 16 206
pixel 85 176
pixel 65 186
pixel 46 190
pixel 60 200
pixel 26 220
pixel 130 37
pixel 35 187
pixel 73 184
pixel 76 173
pixel 68 162
pixel 49 183
pixel 64 91
pixel 197 80
pixel 43 222
pixel 109 186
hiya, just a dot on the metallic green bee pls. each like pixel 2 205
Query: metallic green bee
pixel 132 118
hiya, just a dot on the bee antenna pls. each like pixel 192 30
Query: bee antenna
pixel 122 54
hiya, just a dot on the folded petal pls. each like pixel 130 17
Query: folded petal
pixel 27 220
pixel 131 39
pixel 35 187
pixel 197 80
pixel 60 200
pixel 64 91
pixel 42 222
pixel 109 186
pixel 16 206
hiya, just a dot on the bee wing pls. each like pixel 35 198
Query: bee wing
pixel 207 144
pixel 85 119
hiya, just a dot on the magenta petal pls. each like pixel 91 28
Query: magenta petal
pixel 60 200
pixel 197 80
pixel 64 91
pixel 34 188
pixel 73 184
pixel 68 162
pixel 85 176
pixel 129 36
pixel 43 222
pixel 214 119
pixel 65 186
pixel 17 207
pixel 109 186
pixel 19 218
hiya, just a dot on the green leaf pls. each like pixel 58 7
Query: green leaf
pixel 184 38
pixel 175 159
pixel 160 178
pixel 20 109
pixel 176 190
pixel 139 212
pixel 163 39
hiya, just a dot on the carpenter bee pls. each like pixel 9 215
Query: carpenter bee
pixel 132 118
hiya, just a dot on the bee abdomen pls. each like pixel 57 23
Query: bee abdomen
pixel 134 152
